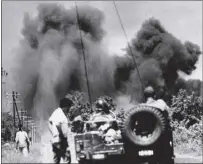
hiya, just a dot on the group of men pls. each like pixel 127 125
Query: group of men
pixel 58 122
pixel 59 127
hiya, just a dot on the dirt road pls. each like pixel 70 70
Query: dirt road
pixel 187 158
pixel 45 156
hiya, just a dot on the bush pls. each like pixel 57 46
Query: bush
pixel 120 116
pixel 186 121
pixel 7 128
pixel 80 106
pixel 187 108
pixel 188 140
pixel 83 108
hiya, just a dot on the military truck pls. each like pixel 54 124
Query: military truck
pixel 146 136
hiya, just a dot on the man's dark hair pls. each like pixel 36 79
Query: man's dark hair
pixel 65 102
pixel 20 126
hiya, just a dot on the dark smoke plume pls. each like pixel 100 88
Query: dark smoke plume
pixel 50 57
pixel 159 56
pixel 50 62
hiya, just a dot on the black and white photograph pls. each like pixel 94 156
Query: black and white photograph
pixel 101 82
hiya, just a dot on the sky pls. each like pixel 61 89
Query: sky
pixel 182 19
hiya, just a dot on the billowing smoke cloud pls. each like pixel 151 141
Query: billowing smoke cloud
pixel 50 61
pixel 159 57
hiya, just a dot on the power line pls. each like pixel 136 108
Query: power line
pixel 129 45
pixel 83 52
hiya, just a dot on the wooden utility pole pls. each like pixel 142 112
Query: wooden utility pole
pixel 4 75
pixel 15 109
pixel 22 115
pixel 14 114
pixel 26 120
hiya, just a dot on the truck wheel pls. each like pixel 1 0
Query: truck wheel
pixel 143 125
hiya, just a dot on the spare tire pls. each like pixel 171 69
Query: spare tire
pixel 143 125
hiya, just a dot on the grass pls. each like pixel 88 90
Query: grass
pixel 186 142
pixel 11 155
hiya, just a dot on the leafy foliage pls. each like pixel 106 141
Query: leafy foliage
pixel 187 108
pixel 186 122
pixel 80 106
pixel 120 116
pixel 7 129
pixel 187 140
pixel 83 108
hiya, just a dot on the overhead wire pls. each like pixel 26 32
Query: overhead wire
pixel 83 53
pixel 129 47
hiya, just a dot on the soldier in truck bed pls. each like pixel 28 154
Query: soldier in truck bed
pixel 109 131
pixel 149 95
pixel 102 111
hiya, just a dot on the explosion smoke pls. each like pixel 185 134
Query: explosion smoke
pixel 50 58
pixel 160 57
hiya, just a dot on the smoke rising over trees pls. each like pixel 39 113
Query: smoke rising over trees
pixel 50 58
pixel 159 56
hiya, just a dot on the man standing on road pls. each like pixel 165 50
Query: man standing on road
pixel 58 126
pixel 22 141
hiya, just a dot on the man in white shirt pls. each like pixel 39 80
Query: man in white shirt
pixel 150 99
pixel 22 141
pixel 58 126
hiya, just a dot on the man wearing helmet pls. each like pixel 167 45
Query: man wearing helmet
pixel 102 112
pixel 58 126
pixel 149 95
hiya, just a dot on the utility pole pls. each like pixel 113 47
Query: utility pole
pixel 26 121
pixel 4 75
pixel 14 114
pixel 22 115
pixel 15 110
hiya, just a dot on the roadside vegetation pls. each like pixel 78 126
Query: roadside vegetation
pixel 186 120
